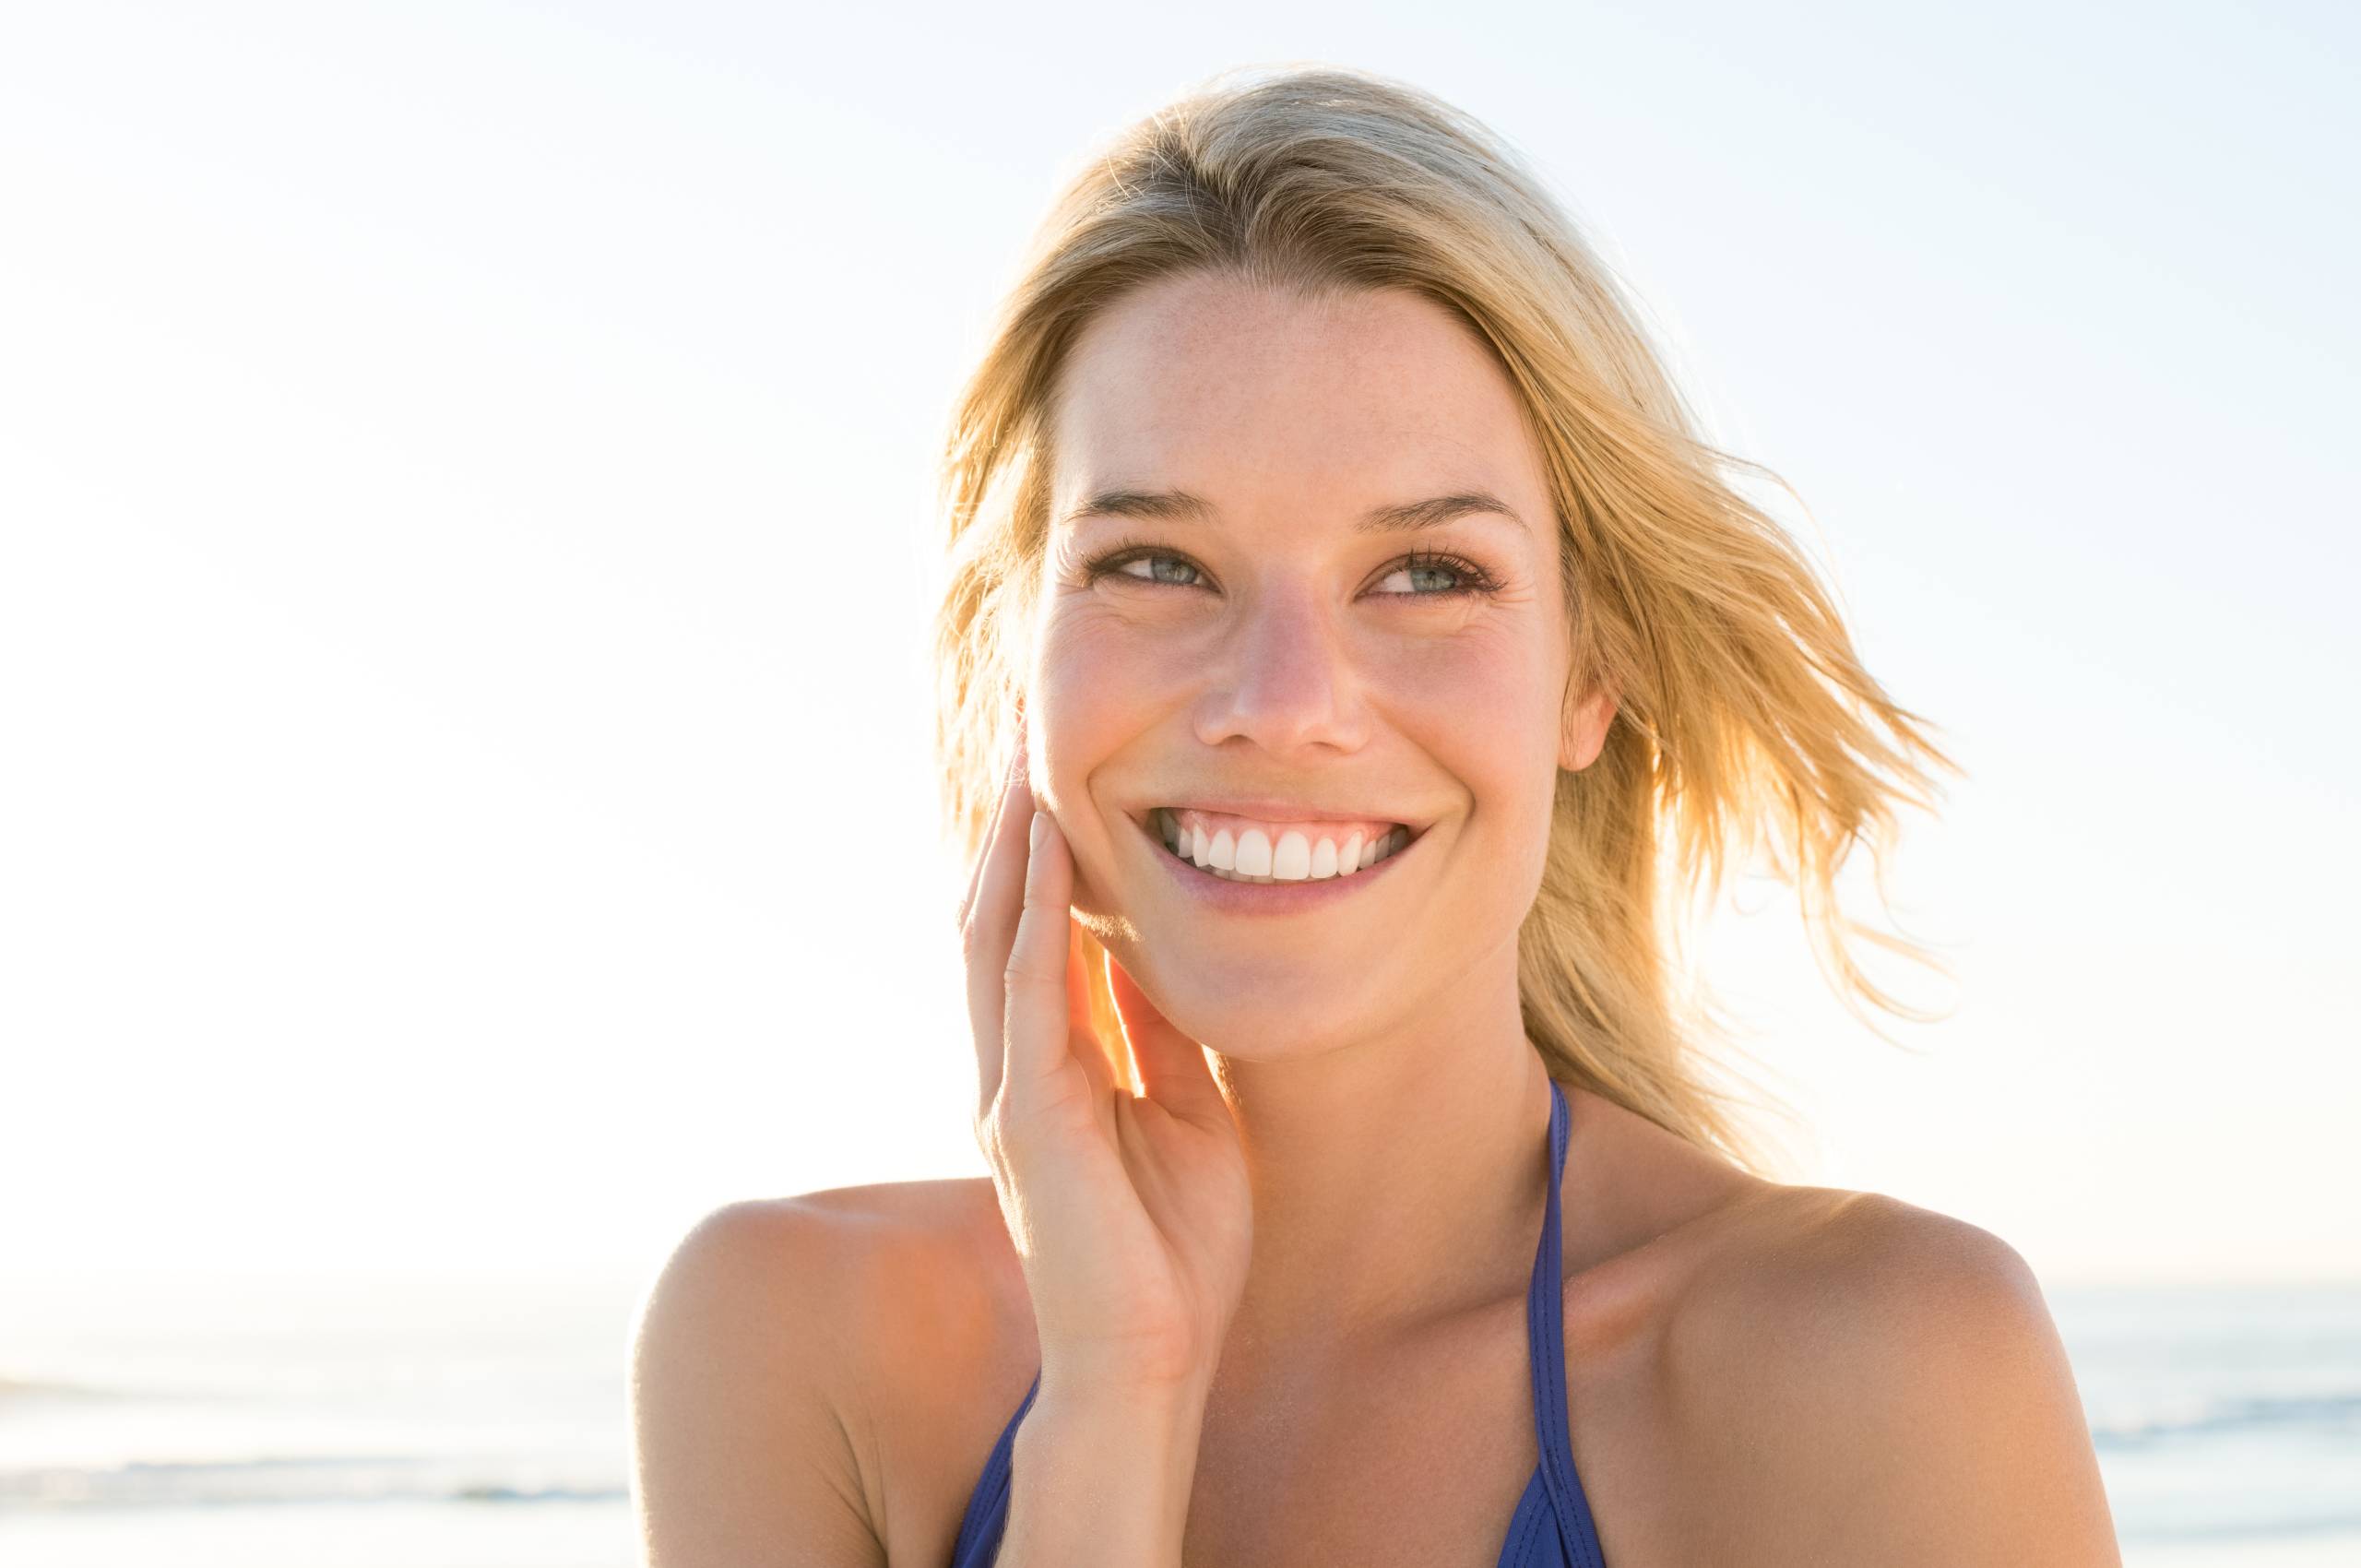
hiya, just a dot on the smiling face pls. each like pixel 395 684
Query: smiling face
pixel 1302 572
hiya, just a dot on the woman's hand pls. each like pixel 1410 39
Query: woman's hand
pixel 1131 1212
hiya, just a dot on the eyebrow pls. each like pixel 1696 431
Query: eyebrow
pixel 1181 507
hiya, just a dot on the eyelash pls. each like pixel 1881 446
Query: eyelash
pixel 1473 579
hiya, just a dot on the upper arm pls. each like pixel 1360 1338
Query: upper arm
pixel 1908 1399
pixel 743 1443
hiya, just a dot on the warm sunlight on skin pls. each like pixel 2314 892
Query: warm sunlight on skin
pixel 1273 648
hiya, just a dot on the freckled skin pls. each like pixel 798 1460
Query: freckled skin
pixel 1285 655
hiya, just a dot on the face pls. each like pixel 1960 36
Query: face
pixel 1242 627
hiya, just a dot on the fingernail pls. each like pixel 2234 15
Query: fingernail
pixel 1040 825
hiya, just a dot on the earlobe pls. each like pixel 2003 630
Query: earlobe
pixel 1585 734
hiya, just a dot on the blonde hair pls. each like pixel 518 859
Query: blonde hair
pixel 1745 721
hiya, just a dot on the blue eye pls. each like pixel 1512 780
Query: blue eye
pixel 1443 566
pixel 1104 566
pixel 1466 577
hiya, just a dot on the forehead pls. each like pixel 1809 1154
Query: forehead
pixel 1247 393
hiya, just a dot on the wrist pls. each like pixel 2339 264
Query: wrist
pixel 1103 1472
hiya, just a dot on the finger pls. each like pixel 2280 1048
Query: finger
pixel 1038 1050
pixel 1171 1067
pixel 1098 1055
pixel 989 936
pixel 1000 809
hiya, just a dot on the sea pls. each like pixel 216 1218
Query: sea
pixel 480 1422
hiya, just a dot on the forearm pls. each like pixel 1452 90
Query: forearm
pixel 1099 1480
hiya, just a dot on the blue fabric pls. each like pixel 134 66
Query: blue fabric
pixel 1551 1526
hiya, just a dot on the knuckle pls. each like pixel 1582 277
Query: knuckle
pixel 991 1133
pixel 1024 970
pixel 975 939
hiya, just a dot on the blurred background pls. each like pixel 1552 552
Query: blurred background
pixel 464 530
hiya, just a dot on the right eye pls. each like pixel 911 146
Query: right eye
pixel 1161 565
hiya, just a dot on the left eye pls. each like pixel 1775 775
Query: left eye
pixel 1429 570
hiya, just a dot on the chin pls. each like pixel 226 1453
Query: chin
pixel 1265 1013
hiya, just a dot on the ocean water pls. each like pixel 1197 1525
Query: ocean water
pixel 462 1422
pixel 480 1422
pixel 2227 1421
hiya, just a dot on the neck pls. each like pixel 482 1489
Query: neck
pixel 1394 1178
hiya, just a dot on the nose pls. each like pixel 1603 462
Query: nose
pixel 1282 679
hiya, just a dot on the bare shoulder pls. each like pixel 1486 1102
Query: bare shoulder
pixel 773 1372
pixel 1865 1381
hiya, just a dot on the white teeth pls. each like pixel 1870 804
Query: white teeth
pixel 1291 858
pixel 1324 859
pixel 1252 857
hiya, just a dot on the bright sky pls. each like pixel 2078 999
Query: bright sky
pixel 465 497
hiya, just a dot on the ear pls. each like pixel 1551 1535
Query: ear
pixel 1584 733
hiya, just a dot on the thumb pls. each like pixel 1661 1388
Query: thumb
pixel 1103 1058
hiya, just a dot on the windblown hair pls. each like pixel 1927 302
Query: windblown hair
pixel 1745 722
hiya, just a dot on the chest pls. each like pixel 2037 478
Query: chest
pixel 1424 1457
pixel 1414 1456
pixel 1417 1454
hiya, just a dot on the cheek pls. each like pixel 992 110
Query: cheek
pixel 1489 685
pixel 1484 707
pixel 1095 679
pixel 1095 686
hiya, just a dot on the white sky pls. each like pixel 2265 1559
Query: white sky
pixel 465 482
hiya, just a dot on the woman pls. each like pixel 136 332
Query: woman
pixel 1356 618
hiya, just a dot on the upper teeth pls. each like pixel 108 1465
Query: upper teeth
pixel 1298 855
